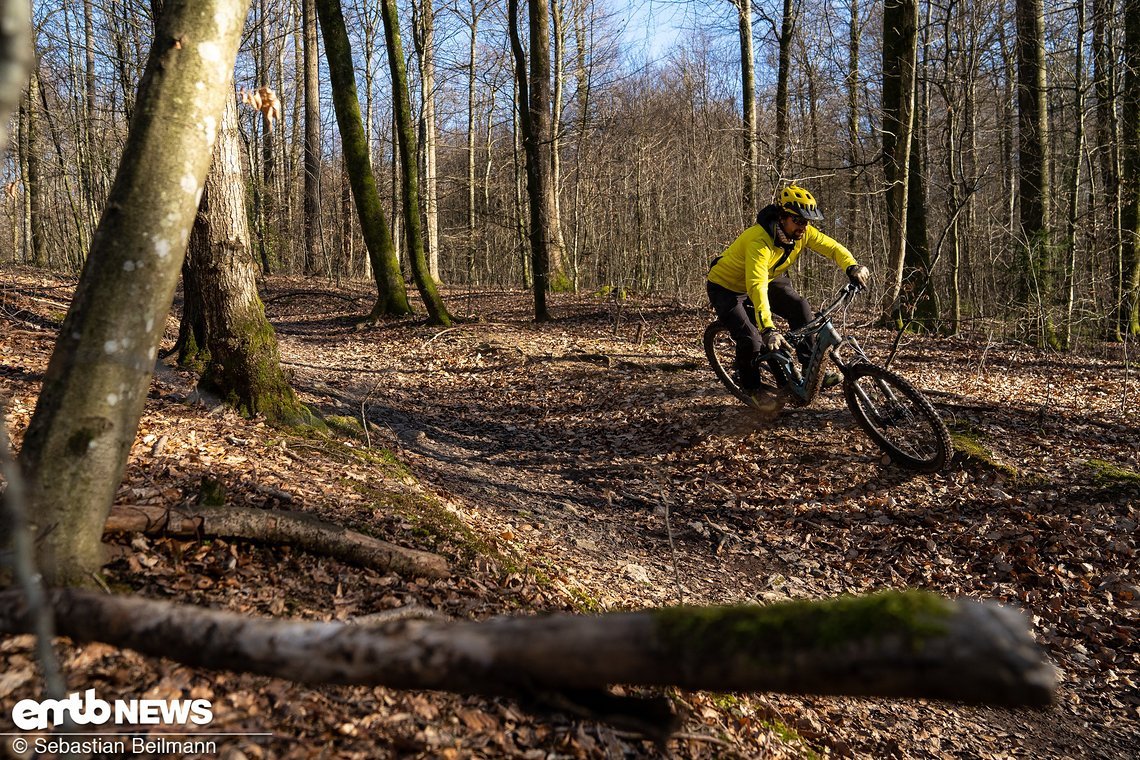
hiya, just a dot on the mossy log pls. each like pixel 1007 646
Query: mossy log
pixel 909 644
pixel 279 527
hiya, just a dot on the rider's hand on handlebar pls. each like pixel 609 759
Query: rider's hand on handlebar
pixel 774 341
pixel 858 275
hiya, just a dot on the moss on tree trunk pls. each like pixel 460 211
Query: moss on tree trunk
pixel 242 361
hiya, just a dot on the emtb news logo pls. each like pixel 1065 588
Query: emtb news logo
pixel 32 715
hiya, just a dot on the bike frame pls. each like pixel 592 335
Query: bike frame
pixel 804 385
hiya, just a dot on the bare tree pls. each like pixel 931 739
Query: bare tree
pixel 77 443
pixel 900 50
pixel 1034 195
pixel 312 162
pixel 535 119
pixel 1130 171
pixel 391 297
pixel 413 226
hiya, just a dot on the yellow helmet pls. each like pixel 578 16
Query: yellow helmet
pixel 796 200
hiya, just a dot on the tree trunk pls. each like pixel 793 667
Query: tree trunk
pixel 535 113
pixel 391 298
pixel 312 162
pixel 1130 170
pixel 787 31
pixel 424 37
pixel 1074 171
pixel 898 645
pixel 35 184
pixel 472 277
pixel 853 119
pixel 1034 192
pixel 919 300
pixel 1108 140
pixel 413 228
pixel 748 104
pixel 77 443
pixel 900 49
pixel 244 365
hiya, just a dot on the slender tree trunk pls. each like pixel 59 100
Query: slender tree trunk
pixel 787 32
pixel 424 37
pixel 310 61
pixel 919 297
pixel 34 187
pixel 91 191
pixel 748 104
pixel 1108 139
pixel 95 386
pixel 535 119
pixel 558 52
pixel 900 40
pixel 853 119
pixel 410 186
pixel 1130 169
pixel 1075 176
pixel 1034 187
pixel 472 277
pixel 391 297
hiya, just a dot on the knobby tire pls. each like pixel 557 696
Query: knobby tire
pixel 906 427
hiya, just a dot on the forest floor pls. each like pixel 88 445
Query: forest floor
pixel 593 463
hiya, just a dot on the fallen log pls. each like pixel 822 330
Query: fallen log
pixel 893 644
pixel 278 527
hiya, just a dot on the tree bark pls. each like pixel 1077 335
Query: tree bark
pixel 897 645
pixel 853 119
pixel 409 186
pixel 424 37
pixel 1074 171
pixel 34 187
pixel 244 364
pixel 535 120
pixel 1034 191
pixel 1130 171
pixel 276 527
pixel 473 26
pixel 391 298
pixel 787 31
pixel 77 443
pixel 312 161
pixel 748 104
pixel 1108 139
pixel 900 41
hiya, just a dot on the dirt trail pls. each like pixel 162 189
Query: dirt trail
pixel 573 444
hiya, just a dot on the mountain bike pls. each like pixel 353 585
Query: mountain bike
pixel 892 412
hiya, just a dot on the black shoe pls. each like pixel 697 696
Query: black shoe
pixel 830 380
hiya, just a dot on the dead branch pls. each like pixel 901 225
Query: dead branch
pixel 909 644
pixel 278 527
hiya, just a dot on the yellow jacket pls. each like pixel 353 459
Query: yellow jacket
pixel 753 260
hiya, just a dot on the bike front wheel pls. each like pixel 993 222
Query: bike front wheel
pixel 897 417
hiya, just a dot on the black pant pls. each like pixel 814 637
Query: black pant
pixel 735 310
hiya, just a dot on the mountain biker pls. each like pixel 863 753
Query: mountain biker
pixel 755 267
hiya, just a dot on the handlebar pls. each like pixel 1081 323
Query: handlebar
pixel 842 298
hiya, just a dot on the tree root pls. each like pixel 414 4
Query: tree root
pixel 279 527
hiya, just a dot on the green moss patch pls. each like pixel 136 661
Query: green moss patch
pixel 828 624
pixel 970 448
pixel 1107 473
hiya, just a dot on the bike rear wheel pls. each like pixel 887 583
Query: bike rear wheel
pixel 720 349
pixel 897 417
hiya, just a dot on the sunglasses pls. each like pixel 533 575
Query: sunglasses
pixel 799 221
